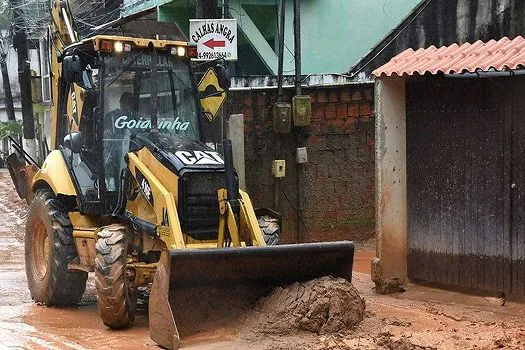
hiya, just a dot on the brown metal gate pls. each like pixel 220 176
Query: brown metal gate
pixel 465 182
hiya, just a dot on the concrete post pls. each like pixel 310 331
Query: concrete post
pixel 235 132
pixel 389 268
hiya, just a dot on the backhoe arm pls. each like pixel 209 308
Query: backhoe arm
pixel 62 33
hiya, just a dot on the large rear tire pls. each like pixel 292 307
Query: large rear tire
pixel 270 229
pixel 116 299
pixel 49 248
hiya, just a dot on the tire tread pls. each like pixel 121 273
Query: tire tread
pixel 65 287
pixel 115 301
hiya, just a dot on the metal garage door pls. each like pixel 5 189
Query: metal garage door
pixel 466 182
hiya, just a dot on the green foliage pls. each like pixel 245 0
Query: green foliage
pixel 11 127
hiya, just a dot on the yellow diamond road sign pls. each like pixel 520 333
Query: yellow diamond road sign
pixel 211 94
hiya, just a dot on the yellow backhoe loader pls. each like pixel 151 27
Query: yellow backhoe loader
pixel 130 193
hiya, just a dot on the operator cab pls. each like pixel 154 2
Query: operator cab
pixel 114 90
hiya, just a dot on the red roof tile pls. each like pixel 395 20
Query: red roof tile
pixel 504 54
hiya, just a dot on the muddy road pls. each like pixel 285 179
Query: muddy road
pixel 420 318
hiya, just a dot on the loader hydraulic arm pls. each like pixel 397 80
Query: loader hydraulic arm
pixel 236 211
pixel 62 33
pixel 160 199
pixel 62 28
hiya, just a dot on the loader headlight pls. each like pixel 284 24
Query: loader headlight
pixel 118 46
pixel 179 51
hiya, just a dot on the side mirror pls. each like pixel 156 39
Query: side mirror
pixel 73 141
pixel 223 76
pixel 72 69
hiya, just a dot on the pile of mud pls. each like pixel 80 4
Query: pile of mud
pixel 323 305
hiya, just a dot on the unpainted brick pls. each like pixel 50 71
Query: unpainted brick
pixel 322 96
pixel 247 112
pixel 357 96
pixel 350 125
pixel 346 202
pixel 322 173
pixel 369 94
pixel 318 111
pixel 333 96
pixel 330 111
pixel 335 171
pixel 262 113
pixel 339 156
pixel 315 143
pixel 353 109
pixel 328 171
pixel 331 215
pixel 321 158
pixel 333 203
pixel 247 100
pixel 317 127
pixel 340 184
pixel 333 142
pixel 339 125
pixel 364 109
pixel 345 95
pixel 342 110
pixel 235 99
pixel 261 99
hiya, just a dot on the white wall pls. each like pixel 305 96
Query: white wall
pixel 12 68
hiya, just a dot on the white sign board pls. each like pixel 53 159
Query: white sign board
pixel 215 38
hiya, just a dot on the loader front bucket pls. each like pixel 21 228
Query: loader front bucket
pixel 194 289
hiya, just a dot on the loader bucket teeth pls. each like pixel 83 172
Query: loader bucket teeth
pixel 209 286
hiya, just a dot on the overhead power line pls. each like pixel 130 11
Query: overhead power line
pixel 34 15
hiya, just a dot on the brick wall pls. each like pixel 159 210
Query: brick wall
pixel 339 176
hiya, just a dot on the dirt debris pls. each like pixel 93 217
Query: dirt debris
pixel 386 341
pixel 322 306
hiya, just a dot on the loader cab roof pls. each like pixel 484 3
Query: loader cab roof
pixel 104 43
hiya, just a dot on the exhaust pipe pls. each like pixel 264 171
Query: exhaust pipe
pixel 231 185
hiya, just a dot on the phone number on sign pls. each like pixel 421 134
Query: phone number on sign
pixel 213 55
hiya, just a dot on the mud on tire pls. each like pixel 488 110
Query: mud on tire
pixel 270 229
pixel 49 248
pixel 116 300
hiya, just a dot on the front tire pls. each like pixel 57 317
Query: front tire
pixel 116 299
pixel 49 248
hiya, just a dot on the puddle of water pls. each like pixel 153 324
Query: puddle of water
pixel 13 332
pixel 362 260
pixel 81 328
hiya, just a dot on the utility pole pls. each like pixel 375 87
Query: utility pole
pixel 280 61
pixel 10 109
pixel 302 234
pixel 206 9
pixel 225 8
pixel 297 45
pixel 24 78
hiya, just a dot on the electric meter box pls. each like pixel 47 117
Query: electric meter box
pixel 279 168
pixel 282 113
pixel 301 110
